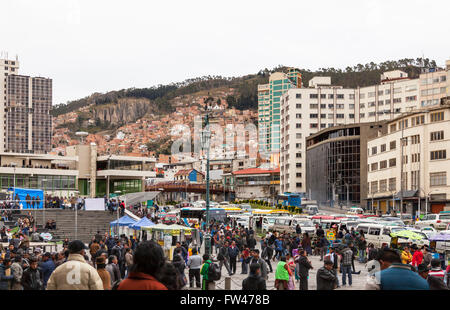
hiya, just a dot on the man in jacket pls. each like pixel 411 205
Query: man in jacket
pixel 406 256
pixel 113 270
pixel 304 265
pixel 251 242
pixel 323 244
pixel 47 266
pixel 32 277
pixel 347 257
pixel 362 246
pixel 5 279
pixel 258 260
pixel 85 278
pixel 233 252
pixel 224 257
pixel 254 281
pixel 194 264
pixel 326 276
pixel 17 272
pixel 394 275
pixel 267 254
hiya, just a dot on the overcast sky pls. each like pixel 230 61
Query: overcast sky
pixel 96 46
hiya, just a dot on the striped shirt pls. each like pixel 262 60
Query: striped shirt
pixel 437 273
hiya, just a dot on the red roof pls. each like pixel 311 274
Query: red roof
pixel 256 171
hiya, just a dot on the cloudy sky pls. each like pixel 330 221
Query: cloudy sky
pixel 89 46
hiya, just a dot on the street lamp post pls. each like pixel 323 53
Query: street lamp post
pixel 206 137
pixel 348 196
pixel 14 184
pixel 76 220
pixel 118 210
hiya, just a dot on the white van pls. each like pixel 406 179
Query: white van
pixel 376 234
pixel 288 224
pixel 354 211
pixel 311 209
pixel 268 222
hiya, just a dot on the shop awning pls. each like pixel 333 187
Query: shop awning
pixel 135 198
pixel 407 194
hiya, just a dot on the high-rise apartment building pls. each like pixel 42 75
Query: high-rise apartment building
pixel 305 111
pixel 25 104
pixel 7 67
pixel 269 98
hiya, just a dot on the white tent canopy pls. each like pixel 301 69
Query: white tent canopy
pixel 134 198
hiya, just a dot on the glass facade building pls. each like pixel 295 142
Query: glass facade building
pixel 336 163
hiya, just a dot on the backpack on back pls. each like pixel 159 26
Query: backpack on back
pixel 214 272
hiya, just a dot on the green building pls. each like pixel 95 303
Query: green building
pixel 269 116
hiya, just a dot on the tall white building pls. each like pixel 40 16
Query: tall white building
pixel 306 111
pixel 7 67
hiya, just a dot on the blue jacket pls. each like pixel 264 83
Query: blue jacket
pixel 278 245
pixel 4 280
pixel 233 252
pixel 401 277
pixel 47 269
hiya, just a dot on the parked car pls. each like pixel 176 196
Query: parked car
pixel 437 221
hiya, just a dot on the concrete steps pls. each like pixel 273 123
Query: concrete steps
pixel 89 222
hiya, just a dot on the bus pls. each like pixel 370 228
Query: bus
pixel 193 215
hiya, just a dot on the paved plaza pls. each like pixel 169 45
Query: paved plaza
pixel 359 280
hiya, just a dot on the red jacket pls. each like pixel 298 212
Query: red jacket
pixel 417 258
pixel 141 281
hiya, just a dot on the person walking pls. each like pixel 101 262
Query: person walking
pixel 224 257
pixel 113 270
pixel 47 267
pixel 303 267
pixel 347 256
pixel 63 277
pixel 267 254
pixel 323 244
pixel 233 253
pixel 5 274
pixel 254 281
pixel 362 247
pixel 406 256
pixel 256 259
pixel 194 264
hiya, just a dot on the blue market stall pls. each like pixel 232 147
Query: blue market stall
pixel 144 222
pixel 34 194
pixel 123 224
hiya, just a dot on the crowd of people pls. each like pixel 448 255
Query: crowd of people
pixel 124 263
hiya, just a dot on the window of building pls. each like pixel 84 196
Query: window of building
pixel 340 116
pixel 340 106
pixel 323 96
pixel 393 128
pixel 340 96
pixel 374 167
pixel 298 184
pixel 298 105
pixel 298 135
pixel 330 96
pixel 298 165
pixel 436 117
pixel 392 184
pixel 435 155
pixel 313 106
pixel 397 100
pixel 323 106
pixel 313 96
pixel 437 135
pixel 383 185
pixel 438 178
pixel 313 115
pixel 298 96
pixel 392 162
pixel 415 139
pixel 298 174
pixel 351 96
pixel 415 158
pixel 313 125
pixel 351 115
pixel 383 148
pixel 298 125
pixel 374 187
pixel 383 164
pixel 374 150
pixel 298 115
